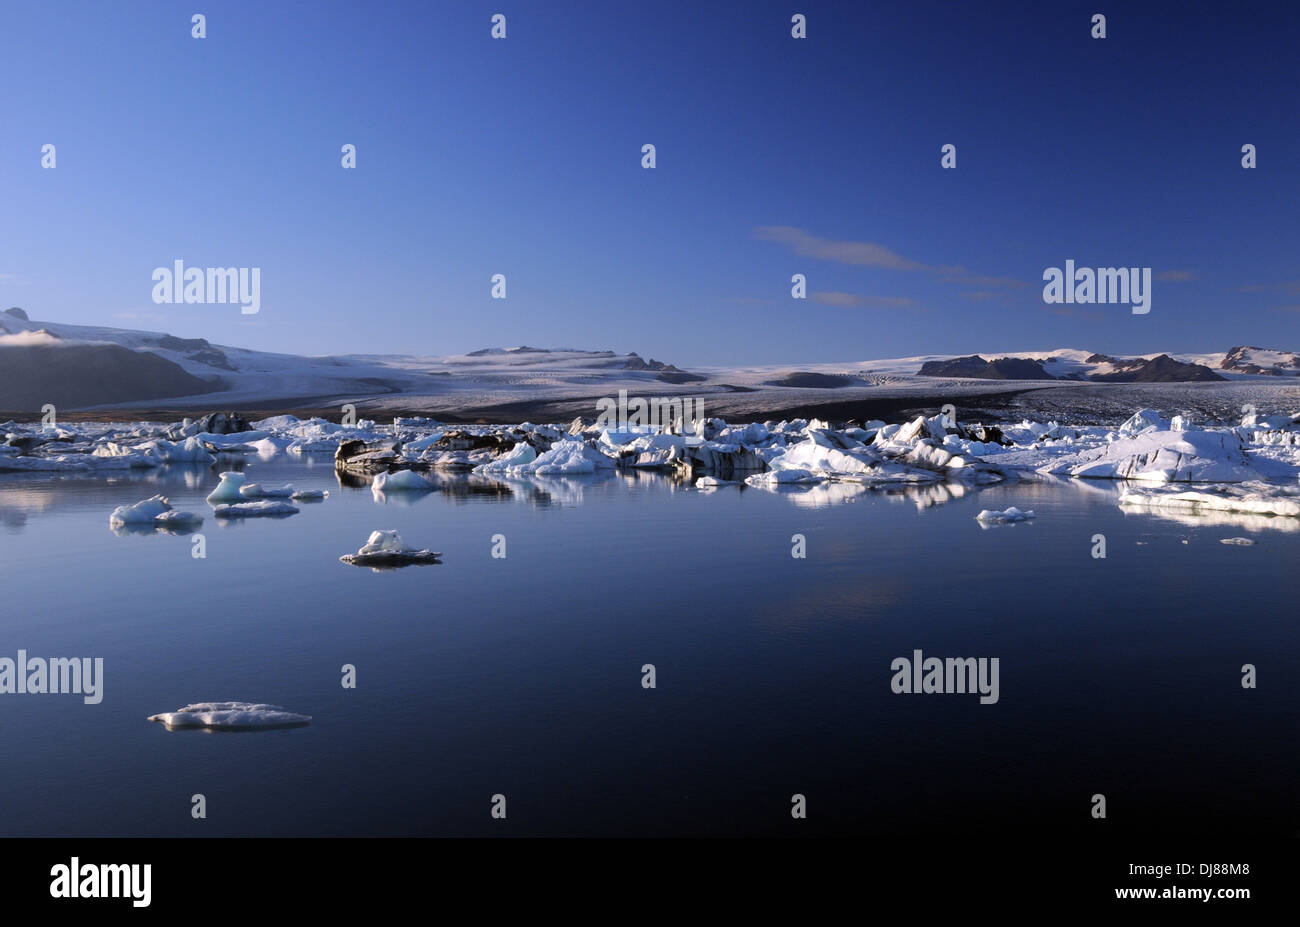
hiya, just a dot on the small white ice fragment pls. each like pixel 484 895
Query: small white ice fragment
pixel 230 716
pixel 385 549
pixel 1244 542
pixel 1010 515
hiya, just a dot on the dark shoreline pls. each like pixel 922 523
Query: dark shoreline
pixel 886 408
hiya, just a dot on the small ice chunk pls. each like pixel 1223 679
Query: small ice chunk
pixel 401 481
pixel 153 511
pixel 706 481
pixel 309 495
pixel 1244 542
pixel 385 549
pixel 230 716
pixel 1012 514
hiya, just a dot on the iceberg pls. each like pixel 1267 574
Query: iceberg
pixel 400 481
pixel 518 457
pixel 230 716
pixel 228 489
pixel 1142 421
pixel 385 550
pixel 1008 516
pixel 153 511
pixel 1250 499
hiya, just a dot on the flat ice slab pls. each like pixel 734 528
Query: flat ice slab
pixel 1250 499
pixel 1012 514
pixel 231 716
pixel 255 509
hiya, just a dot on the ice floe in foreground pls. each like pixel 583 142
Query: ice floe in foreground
pixel 385 550
pixel 1007 516
pixel 153 511
pixel 230 716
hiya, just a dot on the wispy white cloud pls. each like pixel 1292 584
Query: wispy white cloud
pixel 836 298
pixel 869 254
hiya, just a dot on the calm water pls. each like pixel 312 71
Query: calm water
pixel 522 676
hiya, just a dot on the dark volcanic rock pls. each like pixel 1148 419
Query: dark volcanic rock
pixel 17 314
pixel 224 423
pixel 809 380
pixel 974 366
pixel 1161 369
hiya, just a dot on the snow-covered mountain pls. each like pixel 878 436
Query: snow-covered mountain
pixel 152 369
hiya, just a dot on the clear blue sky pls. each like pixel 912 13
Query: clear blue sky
pixel 522 157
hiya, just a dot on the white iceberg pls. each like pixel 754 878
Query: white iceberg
pixel 1142 421
pixel 228 489
pixel 1242 542
pixel 1251 499
pixel 231 716
pixel 153 511
pixel 519 456
pixel 309 495
pixel 1166 457
pixel 400 481
pixel 385 549
pixel 1006 516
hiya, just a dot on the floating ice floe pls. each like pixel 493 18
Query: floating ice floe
pixel 1250 498
pixel 230 716
pixel 228 490
pixel 400 481
pixel 1006 516
pixel 706 482
pixel 309 495
pixel 267 507
pixel 153 511
pixel 385 549
pixel 1164 457
pixel 1242 542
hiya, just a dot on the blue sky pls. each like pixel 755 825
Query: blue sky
pixel 775 156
